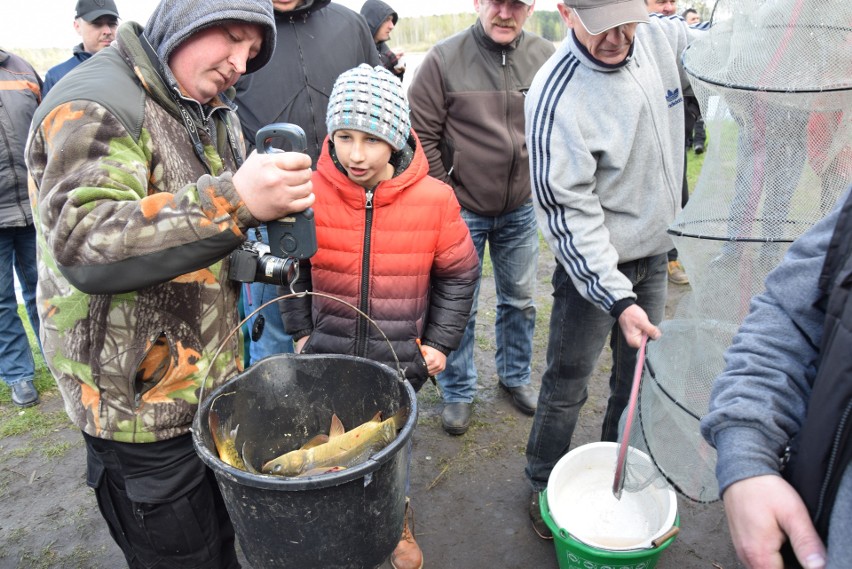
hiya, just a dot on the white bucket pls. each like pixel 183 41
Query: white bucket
pixel 579 493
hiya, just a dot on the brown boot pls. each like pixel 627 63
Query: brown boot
pixel 407 554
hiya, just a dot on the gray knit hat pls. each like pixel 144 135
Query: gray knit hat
pixel 174 21
pixel 369 99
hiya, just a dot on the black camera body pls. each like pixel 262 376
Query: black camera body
pixel 291 238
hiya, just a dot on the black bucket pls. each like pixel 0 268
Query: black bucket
pixel 348 519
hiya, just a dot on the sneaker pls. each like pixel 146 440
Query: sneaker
pixel 407 554
pixel 538 523
pixel 24 394
pixel 699 148
pixel 676 273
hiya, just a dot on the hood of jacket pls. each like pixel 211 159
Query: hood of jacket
pixel 376 12
pixel 303 12
pixel 410 166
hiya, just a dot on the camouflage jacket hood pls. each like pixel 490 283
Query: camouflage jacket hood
pixel 134 230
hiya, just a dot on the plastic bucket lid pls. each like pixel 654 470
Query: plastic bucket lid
pixel 581 502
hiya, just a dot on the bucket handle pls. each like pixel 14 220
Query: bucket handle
pixel 284 297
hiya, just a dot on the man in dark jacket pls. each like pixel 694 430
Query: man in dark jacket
pixel 20 93
pixel 96 22
pixel 381 19
pixel 473 135
pixel 329 39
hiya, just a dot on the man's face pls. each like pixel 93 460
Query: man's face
pixel 213 59
pixel 97 34
pixel 383 33
pixel 692 18
pixel 503 20
pixel 610 47
pixel 286 5
pixel 664 7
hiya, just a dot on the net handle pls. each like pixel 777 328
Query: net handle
pixel 621 461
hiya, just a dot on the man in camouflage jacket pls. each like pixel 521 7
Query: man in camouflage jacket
pixel 141 192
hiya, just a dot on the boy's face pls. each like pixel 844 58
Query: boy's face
pixel 364 157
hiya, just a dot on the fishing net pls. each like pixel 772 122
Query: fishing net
pixel 774 82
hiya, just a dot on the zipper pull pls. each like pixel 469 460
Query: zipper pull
pixel 369 204
pixel 503 54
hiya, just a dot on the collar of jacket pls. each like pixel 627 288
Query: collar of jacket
pixel 491 45
pixel 157 82
pixel 587 58
pixel 303 12
pixel 79 48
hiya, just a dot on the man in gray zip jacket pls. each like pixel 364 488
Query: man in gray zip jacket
pixel 467 102
pixel 605 135
pixel 20 94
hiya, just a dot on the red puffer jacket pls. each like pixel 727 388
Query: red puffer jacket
pixel 403 257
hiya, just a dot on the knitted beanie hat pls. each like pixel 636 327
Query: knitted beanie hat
pixel 174 21
pixel 369 99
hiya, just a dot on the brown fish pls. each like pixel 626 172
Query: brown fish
pixel 343 449
pixel 225 440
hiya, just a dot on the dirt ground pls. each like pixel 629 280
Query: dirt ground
pixel 468 493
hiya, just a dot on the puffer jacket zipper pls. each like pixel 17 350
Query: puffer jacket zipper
pixel 363 302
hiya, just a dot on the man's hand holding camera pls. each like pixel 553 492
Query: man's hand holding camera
pixel 275 185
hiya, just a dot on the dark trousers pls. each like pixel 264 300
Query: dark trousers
pixel 161 504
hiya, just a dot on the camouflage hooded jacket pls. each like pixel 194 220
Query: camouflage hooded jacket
pixel 134 230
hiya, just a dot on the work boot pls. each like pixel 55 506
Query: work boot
pixel 24 394
pixel 676 273
pixel 524 397
pixel 455 418
pixel 407 554
pixel 539 525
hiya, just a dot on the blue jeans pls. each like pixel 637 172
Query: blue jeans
pixel 578 330
pixel 18 252
pixel 513 244
pixel 272 339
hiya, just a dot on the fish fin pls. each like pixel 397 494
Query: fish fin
pixel 336 427
pixel 377 418
pixel 315 442
pixel 249 466
pixel 400 418
pixel 321 470
pixel 233 432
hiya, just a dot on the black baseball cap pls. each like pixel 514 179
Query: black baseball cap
pixel 91 10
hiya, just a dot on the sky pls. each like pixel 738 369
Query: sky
pixel 49 23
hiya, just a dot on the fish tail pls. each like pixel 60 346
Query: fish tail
pixel 400 418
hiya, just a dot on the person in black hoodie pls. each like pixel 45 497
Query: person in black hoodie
pixel 317 41
pixel 381 19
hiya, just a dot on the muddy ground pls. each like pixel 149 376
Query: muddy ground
pixel 468 493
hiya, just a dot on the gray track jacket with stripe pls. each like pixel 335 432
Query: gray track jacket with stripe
pixel 606 157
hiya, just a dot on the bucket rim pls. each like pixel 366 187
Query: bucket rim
pixel 297 484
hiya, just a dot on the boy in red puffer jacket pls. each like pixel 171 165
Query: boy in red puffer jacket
pixel 391 241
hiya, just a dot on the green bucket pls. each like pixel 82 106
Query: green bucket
pixel 573 554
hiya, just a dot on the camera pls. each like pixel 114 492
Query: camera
pixel 252 262
pixel 291 238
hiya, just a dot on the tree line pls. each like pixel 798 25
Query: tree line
pixel 421 33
